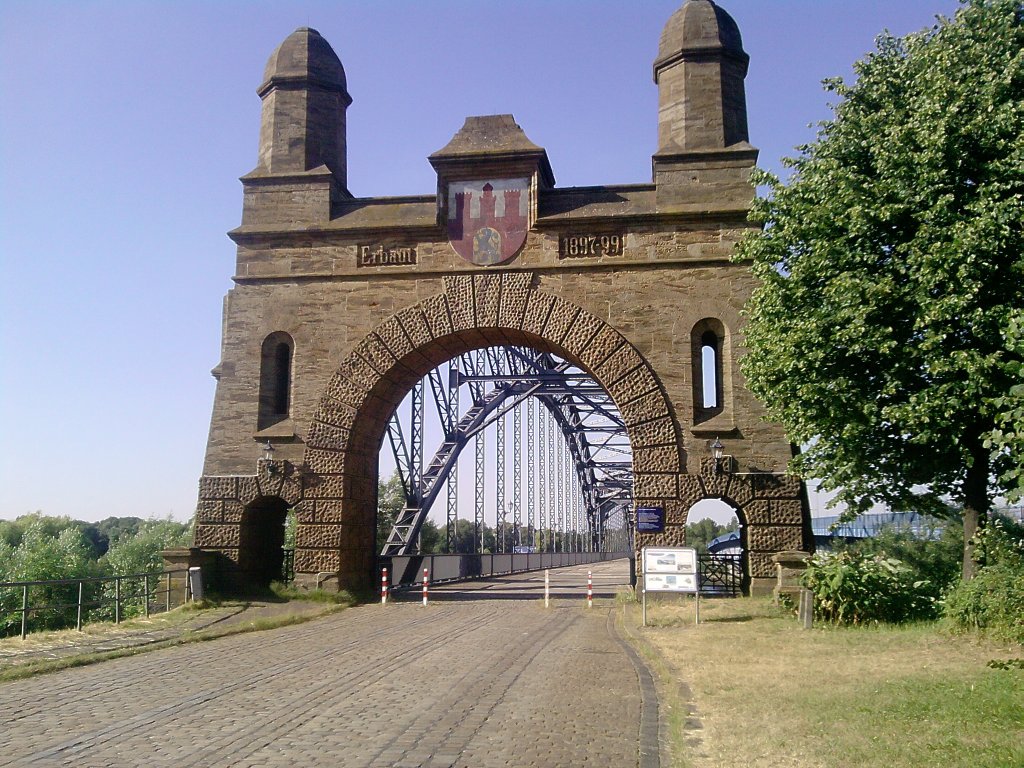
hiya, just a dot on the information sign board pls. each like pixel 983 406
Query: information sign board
pixel 650 519
pixel 670 569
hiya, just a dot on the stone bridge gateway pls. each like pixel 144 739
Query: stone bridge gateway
pixel 341 304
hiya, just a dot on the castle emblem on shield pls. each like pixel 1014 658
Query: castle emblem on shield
pixel 488 220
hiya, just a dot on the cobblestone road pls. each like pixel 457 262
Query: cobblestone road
pixel 468 681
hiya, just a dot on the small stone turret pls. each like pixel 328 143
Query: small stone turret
pixel 304 101
pixel 703 157
pixel 302 164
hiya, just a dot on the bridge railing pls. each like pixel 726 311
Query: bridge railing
pixel 407 570
pixel 63 603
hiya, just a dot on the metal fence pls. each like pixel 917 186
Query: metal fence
pixel 98 598
pixel 720 575
pixel 405 570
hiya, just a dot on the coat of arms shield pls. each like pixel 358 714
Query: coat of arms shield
pixel 488 220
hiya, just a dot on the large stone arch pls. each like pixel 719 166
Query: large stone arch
pixel 373 292
pixel 336 516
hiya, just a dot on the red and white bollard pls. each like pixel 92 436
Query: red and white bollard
pixel 590 589
pixel 383 586
pixel 425 582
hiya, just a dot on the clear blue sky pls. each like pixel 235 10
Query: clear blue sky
pixel 125 126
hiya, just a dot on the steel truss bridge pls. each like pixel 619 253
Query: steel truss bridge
pixel 560 469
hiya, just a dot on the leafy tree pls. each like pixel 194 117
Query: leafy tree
pixel 891 268
pixel 42 554
pixel 702 532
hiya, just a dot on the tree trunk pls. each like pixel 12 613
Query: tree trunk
pixel 976 506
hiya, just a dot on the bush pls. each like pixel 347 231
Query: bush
pixel 855 588
pixel 42 554
pixel 993 601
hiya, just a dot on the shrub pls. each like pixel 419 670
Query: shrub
pixel 993 601
pixel 855 588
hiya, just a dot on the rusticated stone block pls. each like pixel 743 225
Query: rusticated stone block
pixel 761 565
pixel 774 538
pixel 650 406
pixel 305 512
pixel 359 370
pixel 215 536
pixel 327 437
pixel 662 458
pixel 675 511
pixel 580 334
pixel 715 485
pixel 210 512
pixel 514 296
pixel 248 489
pixel 637 382
pixel 319 535
pixel 218 487
pixel 335 412
pixel 537 310
pixel 234 511
pixel 658 432
pixel 787 511
pixel 690 489
pixel 392 335
pixel 435 312
pixel 342 388
pixel 461 302
pixel 317 560
pixel 415 326
pixel 776 486
pixel 325 487
pixel 229 553
pixel 291 489
pixel 563 315
pixel 740 489
pixel 330 511
pixel 624 360
pixel 324 462
pixel 487 299
pixel 599 348
pixel 757 512
pixel 374 351
pixel 655 486
pixel 269 477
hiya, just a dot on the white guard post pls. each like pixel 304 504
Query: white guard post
pixel 670 569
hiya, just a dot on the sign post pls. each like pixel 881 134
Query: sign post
pixel 670 569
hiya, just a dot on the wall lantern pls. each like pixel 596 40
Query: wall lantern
pixel 717 451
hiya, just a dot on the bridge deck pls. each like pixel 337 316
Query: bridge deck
pixel 470 682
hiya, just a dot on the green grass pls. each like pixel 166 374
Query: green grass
pixel 769 693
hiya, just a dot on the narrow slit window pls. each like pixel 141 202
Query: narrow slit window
pixel 282 378
pixel 276 359
pixel 709 369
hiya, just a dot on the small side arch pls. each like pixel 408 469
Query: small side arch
pixel 261 541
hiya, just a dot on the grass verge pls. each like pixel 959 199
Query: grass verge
pixel 768 693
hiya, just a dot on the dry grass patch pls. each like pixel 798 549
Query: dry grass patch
pixel 768 693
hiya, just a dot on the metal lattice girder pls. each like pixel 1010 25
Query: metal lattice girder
pixel 499 380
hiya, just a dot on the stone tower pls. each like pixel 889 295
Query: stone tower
pixel 704 157
pixel 302 150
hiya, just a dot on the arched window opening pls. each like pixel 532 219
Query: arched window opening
pixel 709 369
pixel 275 379
pixel 282 378
pixel 708 342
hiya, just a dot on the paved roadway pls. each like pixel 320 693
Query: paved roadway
pixel 484 676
